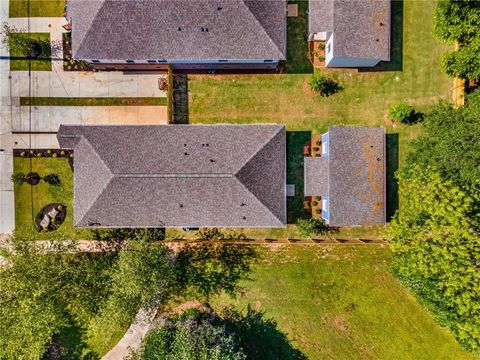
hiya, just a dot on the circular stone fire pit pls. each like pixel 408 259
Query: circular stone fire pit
pixel 51 216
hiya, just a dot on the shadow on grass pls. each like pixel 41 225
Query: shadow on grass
pixel 295 168
pixel 396 42
pixel 69 344
pixel 392 183
pixel 259 337
pixel 207 269
pixel 297 41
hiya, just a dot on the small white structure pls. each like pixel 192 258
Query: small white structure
pixel 356 32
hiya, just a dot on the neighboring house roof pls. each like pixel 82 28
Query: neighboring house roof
pixel 178 175
pixel 316 176
pixel 361 28
pixel 356 176
pixel 172 29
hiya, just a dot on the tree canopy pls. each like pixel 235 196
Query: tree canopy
pixel 459 21
pixel 451 141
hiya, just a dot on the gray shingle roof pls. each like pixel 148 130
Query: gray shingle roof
pixel 182 175
pixel 149 29
pixel 316 176
pixel 356 176
pixel 361 27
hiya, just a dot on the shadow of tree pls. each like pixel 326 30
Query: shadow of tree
pixel 209 268
pixel 259 337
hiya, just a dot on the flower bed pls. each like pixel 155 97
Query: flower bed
pixel 70 64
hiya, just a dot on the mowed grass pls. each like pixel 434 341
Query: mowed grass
pixel 30 199
pixel 285 98
pixel 36 8
pixel 341 302
pixel 18 57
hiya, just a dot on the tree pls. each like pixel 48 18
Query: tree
pixel 41 294
pixel 465 62
pixel 450 141
pixel 191 336
pixel 324 85
pixel 312 226
pixel 457 20
pixel 403 113
pixel 435 237
pixel 52 179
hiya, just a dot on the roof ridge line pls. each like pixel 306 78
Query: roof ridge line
pixel 172 175
pixel 90 25
pixel 247 162
pixel 103 187
pixel 263 29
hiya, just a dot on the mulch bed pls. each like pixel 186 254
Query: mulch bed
pixel 68 63
pixel 45 153
pixel 55 221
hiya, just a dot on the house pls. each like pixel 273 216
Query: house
pixel 352 33
pixel 349 176
pixel 178 176
pixel 203 34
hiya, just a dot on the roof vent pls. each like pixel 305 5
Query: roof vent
pixel 181 205
pixel 377 40
pixel 244 218
pixel 179 28
pixel 212 161
pixel 184 145
pixel 243 204
pixel 382 24
pixel 219 8
pixel 185 153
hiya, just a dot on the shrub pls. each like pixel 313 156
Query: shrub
pixel 309 227
pixel 18 178
pixel 324 85
pixel 314 203
pixel 402 112
pixel 52 179
pixel 209 234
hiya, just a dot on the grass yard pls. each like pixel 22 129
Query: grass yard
pixel 93 101
pixel 366 96
pixel 36 8
pixel 30 199
pixel 341 302
pixel 18 52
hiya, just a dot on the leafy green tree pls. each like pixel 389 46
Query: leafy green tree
pixel 324 85
pixel 312 226
pixel 457 20
pixel 41 294
pixel 451 141
pixel 465 62
pixel 194 335
pixel 435 236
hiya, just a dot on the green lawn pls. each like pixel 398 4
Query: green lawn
pixel 93 101
pixel 30 199
pixel 364 100
pixel 18 52
pixel 341 302
pixel 36 8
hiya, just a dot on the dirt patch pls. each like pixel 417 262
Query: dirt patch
pixel 307 91
pixel 339 323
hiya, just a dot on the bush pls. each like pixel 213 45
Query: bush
pixel 309 227
pixel 209 234
pixel 52 179
pixel 324 85
pixel 18 178
pixel 149 234
pixel 314 203
pixel 403 113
